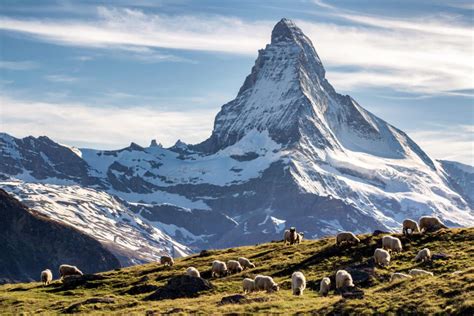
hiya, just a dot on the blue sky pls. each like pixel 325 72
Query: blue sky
pixel 104 74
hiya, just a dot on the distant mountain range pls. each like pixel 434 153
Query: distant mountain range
pixel 287 151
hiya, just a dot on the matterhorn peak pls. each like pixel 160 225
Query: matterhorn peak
pixel 286 30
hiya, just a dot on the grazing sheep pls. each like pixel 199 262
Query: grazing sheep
pixel 391 243
pixel 430 223
pixel 381 257
pixel 298 283
pixel 219 269
pixel 67 270
pixel 192 271
pixel 248 285
pixel 416 272
pixel 234 266
pixel 46 276
pixel 324 286
pixel 245 263
pixel 290 236
pixel 167 261
pixel 265 283
pixel 346 237
pixel 411 225
pixel 423 255
pixel 399 276
pixel 343 279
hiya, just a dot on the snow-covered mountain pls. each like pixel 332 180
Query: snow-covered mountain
pixel 287 151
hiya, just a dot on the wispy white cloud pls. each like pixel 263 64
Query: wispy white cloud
pixel 61 78
pixel 447 142
pixel 18 65
pixel 106 127
pixel 427 55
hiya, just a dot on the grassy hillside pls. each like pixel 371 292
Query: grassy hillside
pixel 445 293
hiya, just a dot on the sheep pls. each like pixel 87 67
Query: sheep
pixel 416 272
pixel 346 237
pixel 299 238
pixel 245 263
pixel 192 271
pixel 219 269
pixel 234 266
pixel 411 225
pixel 46 276
pixel 67 270
pixel 381 257
pixel 265 283
pixel 391 243
pixel 167 261
pixel 324 286
pixel 290 236
pixel 343 279
pixel 430 223
pixel 248 285
pixel 399 276
pixel 423 255
pixel 298 283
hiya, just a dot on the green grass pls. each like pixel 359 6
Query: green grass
pixel 443 294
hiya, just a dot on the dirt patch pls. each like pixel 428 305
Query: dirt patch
pixel 240 299
pixel 70 283
pixel 141 289
pixel 180 287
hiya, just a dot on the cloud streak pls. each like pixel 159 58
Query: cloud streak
pixel 105 127
pixel 18 65
pixel 429 55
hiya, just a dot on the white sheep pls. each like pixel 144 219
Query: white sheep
pixel 423 255
pixel 67 270
pixel 265 283
pixel 290 236
pixel 167 261
pixel 298 283
pixel 381 257
pixel 219 269
pixel 234 266
pixel 420 272
pixel 399 276
pixel 299 238
pixel 391 243
pixel 46 276
pixel 411 225
pixel 428 223
pixel 324 286
pixel 248 285
pixel 245 263
pixel 347 237
pixel 343 279
pixel 192 271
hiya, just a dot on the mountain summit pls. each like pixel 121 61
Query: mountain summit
pixel 287 151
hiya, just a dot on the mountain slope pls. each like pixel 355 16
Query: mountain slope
pixel 445 293
pixel 287 151
pixel 31 242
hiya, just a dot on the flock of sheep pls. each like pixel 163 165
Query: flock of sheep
pixel 298 281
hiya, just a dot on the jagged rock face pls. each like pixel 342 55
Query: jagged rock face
pixel 31 243
pixel 287 151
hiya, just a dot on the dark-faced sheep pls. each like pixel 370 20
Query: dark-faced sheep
pixel 410 227
pixel 381 257
pixel 347 237
pixel 67 270
pixel 290 236
pixel 423 255
pixel 391 243
pixel 46 276
pixel 192 271
pixel 324 286
pixel 167 261
pixel 430 223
